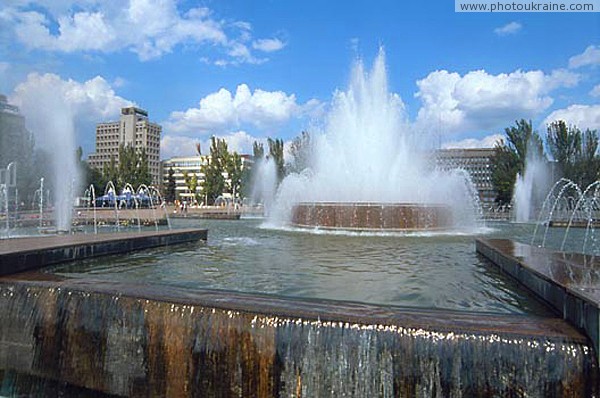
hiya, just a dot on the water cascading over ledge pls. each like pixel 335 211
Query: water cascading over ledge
pixel 372 216
pixel 178 343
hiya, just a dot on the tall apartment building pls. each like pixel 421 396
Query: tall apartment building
pixel 132 129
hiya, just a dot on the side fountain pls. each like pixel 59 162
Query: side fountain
pixel 530 188
pixel 368 173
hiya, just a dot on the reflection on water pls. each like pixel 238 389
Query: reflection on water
pixel 432 271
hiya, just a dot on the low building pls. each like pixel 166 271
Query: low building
pixel 191 165
pixel 180 166
pixel 475 161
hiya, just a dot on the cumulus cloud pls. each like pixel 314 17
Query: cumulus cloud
pixel 93 99
pixel 591 56
pixel 175 146
pixel 172 146
pixel 508 29
pixel 481 101
pixel 268 45
pixel 485 142
pixel 225 111
pixel 582 116
pixel 595 92
pixel 149 28
pixel 80 104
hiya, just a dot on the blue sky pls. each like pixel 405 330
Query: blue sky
pixel 246 70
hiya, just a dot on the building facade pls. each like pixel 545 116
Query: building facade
pixel 181 165
pixel 16 146
pixel 192 165
pixel 133 129
pixel 478 163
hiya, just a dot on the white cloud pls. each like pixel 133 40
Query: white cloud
pixel 149 28
pixel 595 92
pixel 268 45
pixel 223 111
pixel 480 101
pixel 485 142
pixel 591 56
pixel 44 98
pixel 508 29
pixel 175 146
pixel 582 116
pixel 93 99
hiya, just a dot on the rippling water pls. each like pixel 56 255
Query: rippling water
pixel 417 271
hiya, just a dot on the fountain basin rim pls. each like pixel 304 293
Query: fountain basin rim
pixel 405 217
pixel 334 312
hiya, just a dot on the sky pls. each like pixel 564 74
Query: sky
pixel 247 70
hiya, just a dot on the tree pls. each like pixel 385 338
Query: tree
pixel 574 152
pixel 133 166
pixel 511 156
pixel 89 175
pixel 193 186
pixel 214 181
pixel 170 192
pixel 234 174
pixel 276 153
pixel 258 150
pixel 110 172
pixel 588 165
pixel 300 151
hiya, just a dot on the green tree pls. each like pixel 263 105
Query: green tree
pixel 511 155
pixel 214 181
pixel 276 153
pixel 170 192
pixel 110 172
pixel 193 186
pixel 588 164
pixel 575 152
pixel 89 175
pixel 300 151
pixel 234 174
pixel 258 150
pixel 133 167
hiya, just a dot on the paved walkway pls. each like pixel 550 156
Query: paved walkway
pixel 35 243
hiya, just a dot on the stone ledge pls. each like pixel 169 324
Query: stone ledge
pixel 26 254
pixel 567 282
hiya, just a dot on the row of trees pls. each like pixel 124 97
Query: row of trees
pixel 574 152
pixel 222 171
pixel 132 168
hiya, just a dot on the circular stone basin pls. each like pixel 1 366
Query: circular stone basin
pixel 357 216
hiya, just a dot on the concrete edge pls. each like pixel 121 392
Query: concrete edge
pixel 29 254
pixel 579 311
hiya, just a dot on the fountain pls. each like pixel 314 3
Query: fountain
pixel 260 312
pixel 368 173
pixel 530 187
pixel 51 119
pixel 568 206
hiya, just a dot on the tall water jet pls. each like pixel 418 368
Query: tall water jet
pixel 366 155
pixel 265 183
pixel 531 187
pixel 50 117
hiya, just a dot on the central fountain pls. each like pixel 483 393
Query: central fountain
pixel 368 171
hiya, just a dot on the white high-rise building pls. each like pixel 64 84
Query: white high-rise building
pixel 132 129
